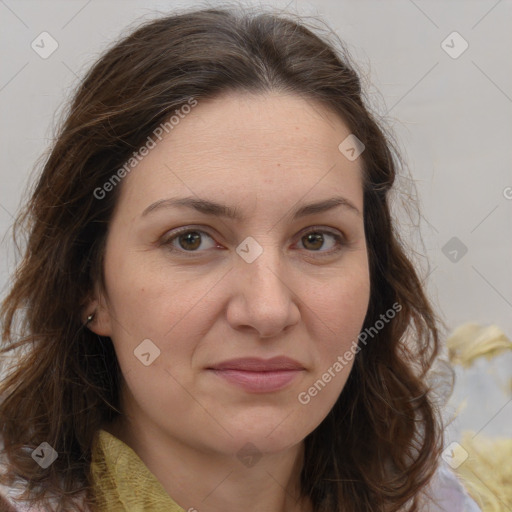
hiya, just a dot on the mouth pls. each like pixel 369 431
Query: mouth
pixel 257 375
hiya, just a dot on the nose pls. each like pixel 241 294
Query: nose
pixel 264 299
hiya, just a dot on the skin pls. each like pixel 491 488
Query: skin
pixel 265 154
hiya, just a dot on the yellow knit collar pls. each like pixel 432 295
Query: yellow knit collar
pixel 122 482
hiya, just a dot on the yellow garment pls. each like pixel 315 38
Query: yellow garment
pixel 122 482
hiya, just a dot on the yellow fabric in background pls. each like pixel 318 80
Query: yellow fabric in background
pixel 122 482
pixel 471 341
pixel 487 472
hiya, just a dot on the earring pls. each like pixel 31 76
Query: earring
pixel 89 318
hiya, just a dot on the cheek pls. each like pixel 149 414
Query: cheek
pixel 341 305
pixel 338 310
pixel 147 298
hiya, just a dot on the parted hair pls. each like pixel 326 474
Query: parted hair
pixel 380 444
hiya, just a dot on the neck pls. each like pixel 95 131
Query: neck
pixel 202 480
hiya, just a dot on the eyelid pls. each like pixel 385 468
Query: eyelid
pixel 323 229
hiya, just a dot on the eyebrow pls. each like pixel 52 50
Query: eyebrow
pixel 220 210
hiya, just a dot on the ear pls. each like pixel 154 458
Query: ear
pixel 97 306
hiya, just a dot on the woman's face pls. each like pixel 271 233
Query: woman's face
pixel 229 331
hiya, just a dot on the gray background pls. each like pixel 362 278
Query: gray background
pixel 451 116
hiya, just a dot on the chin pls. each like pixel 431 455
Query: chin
pixel 269 435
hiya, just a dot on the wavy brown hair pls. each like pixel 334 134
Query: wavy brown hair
pixel 379 445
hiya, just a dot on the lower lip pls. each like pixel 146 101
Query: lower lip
pixel 259 382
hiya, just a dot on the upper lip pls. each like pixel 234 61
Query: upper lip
pixel 256 364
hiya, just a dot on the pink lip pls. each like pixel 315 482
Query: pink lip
pixel 259 375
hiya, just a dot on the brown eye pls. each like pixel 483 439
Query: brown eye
pixel 314 241
pixel 188 241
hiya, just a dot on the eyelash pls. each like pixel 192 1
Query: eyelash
pixel 167 240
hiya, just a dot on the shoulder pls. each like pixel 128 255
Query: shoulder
pixel 8 494
pixel 10 500
pixel 446 493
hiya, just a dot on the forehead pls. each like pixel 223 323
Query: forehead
pixel 270 145
pixel 267 125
